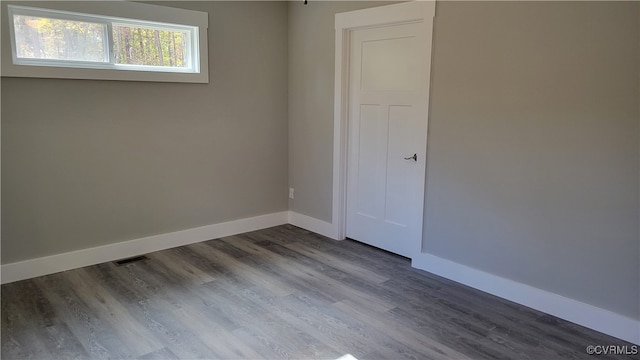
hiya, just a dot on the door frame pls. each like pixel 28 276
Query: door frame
pixel 407 12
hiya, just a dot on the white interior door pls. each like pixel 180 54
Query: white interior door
pixel 388 85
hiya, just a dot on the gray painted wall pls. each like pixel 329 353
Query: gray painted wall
pixel 87 163
pixel 533 146
pixel 533 163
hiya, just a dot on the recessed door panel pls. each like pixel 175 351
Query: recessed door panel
pixel 390 64
pixel 368 168
pixel 399 172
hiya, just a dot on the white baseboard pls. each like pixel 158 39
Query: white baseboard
pixel 577 312
pixel 312 224
pixel 75 259
pixel 590 316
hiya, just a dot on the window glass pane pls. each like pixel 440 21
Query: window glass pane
pixel 58 39
pixel 137 45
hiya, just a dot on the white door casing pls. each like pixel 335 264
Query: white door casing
pixel 382 89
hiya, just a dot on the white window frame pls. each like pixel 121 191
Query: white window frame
pixel 111 12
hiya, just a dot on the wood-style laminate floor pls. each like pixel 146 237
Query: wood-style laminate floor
pixel 272 294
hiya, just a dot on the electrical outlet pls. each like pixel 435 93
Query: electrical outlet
pixel 291 193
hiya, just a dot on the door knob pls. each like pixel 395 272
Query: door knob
pixel 414 157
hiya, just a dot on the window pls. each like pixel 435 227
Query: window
pixel 42 39
pixel 97 45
